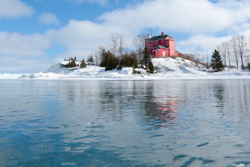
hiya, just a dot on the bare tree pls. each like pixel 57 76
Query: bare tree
pixel 207 61
pixel 197 58
pixel 114 43
pixel 234 44
pixel 248 54
pixel 236 47
pixel 223 52
pixel 228 52
pixel 242 47
pixel 96 57
pixel 139 43
pixel 121 44
pixel 97 54
pixel 117 44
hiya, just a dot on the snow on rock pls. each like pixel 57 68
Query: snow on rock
pixel 55 68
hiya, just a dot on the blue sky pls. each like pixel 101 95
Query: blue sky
pixel 34 34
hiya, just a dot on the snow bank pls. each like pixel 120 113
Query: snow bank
pixel 165 68
pixel 91 72
pixel 9 76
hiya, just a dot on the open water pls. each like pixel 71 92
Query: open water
pixel 124 123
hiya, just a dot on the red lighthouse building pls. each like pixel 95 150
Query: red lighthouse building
pixel 161 46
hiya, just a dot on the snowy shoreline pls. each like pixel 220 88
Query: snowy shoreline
pixel 167 69
pixel 51 76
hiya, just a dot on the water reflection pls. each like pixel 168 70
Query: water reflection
pixel 162 114
pixel 232 98
pixel 219 94
pixel 133 123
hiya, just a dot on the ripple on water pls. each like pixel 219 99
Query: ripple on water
pixel 97 126
pixel 244 152
pixel 38 130
pixel 177 157
pixel 122 123
pixel 239 145
pixel 192 160
pixel 67 163
pixel 203 144
pixel 52 128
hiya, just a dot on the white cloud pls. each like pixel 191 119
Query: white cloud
pixel 21 53
pixel 191 16
pixel 48 18
pixel 23 45
pixel 82 37
pixel 23 64
pixel 201 43
pixel 14 8
pixel 101 2
pixel 200 19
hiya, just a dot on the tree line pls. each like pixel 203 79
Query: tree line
pixel 117 46
pixel 235 52
pixel 117 56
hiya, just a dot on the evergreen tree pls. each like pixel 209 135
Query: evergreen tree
pixel 90 59
pixel 134 60
pixel 248 66
pixel 109 61
pixel 134 66
pixel 146 56
pixel 72 63
pixel 104 56
pixel 151 67
pixel 216 62
pixel 129 60
pixel 83 64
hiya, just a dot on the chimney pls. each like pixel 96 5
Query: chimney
pixel 162 34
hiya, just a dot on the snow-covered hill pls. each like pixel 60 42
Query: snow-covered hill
pixel 165 68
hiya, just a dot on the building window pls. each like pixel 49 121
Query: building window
pixel 167 43
pixel 156 42
pixel 152 43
